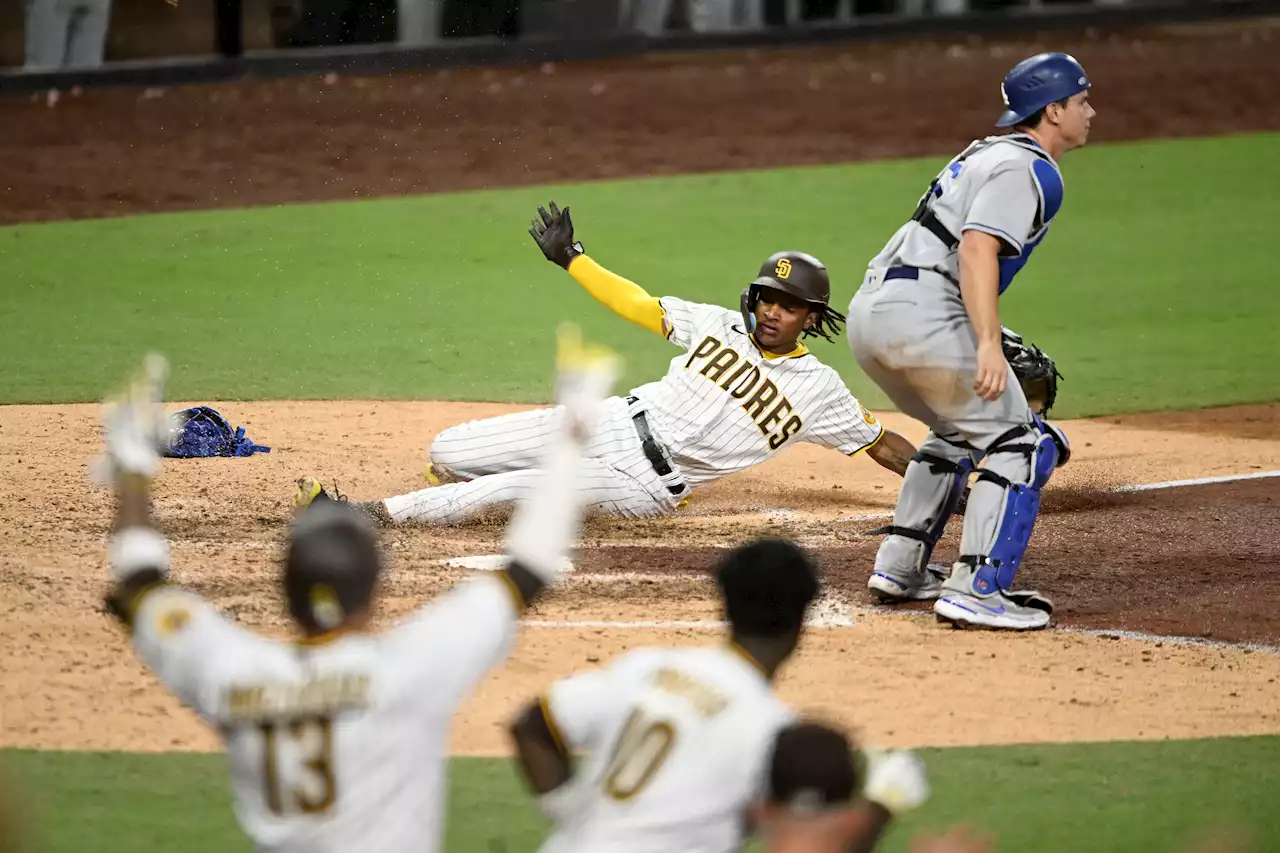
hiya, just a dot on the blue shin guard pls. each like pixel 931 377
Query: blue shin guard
pixel 998 568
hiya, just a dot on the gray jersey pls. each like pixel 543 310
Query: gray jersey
pixel 1006 186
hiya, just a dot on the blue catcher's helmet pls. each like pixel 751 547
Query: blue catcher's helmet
pixel 1038 81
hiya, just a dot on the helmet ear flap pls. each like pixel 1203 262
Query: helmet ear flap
pixel 748 305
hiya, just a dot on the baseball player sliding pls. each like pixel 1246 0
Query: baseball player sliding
pixel 679 743
pixel 745 388
pixel 925 327
pixel 337 739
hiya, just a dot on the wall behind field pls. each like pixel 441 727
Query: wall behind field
pixel 150 29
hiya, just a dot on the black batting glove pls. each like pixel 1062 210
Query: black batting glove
pixel 554 235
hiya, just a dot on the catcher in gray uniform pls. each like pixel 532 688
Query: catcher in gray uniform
pixel 924 326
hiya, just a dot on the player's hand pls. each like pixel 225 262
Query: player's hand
pixel 136 425
pixel 553 232
pixel 993 371
pixel 896 780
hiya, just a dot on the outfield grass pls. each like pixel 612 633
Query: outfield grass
pixel 1131 797
pixel 1154 290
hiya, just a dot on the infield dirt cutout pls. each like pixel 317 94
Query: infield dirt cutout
pixel 1198 562
pixel 1186 562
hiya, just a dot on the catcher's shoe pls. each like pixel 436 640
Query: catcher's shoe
pixel 890 587
pixel 962 606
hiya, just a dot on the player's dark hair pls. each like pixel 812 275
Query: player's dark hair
pixel 767 585
pixel 331 566
pixel 830 322
pixel 814 767
pixel 1032 121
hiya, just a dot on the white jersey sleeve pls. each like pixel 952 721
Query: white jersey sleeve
pixel 578 708
pixel 449 645
pixel 1005 205
pixel 181 637
pixel 684 321
pixel 844 424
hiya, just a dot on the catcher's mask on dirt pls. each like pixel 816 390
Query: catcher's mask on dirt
pixel 332 566
pixel 767 586
pixel 802 276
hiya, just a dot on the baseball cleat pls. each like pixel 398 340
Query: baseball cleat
pixel 308 490
pixel 888 587
pixel 960 606
pixel 438 475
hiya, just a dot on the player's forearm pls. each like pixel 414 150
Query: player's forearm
pixel 893 451
pixel 979 256
pixel 544 526
pixel 542 759
pixel 622 296
pixel 138 553
pixel 133 502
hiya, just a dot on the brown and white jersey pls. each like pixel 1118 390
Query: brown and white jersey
pixel 677 740
pixel 339 745
pixel 725 405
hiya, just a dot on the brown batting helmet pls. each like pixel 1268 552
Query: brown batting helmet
pixel 331 566
pixel 800 275
pixel 803 276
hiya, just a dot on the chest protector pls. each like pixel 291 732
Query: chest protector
pixel 1049 190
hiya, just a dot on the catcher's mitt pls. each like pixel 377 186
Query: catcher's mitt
pixel 1036 372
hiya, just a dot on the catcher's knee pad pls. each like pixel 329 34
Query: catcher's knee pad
pixel 931 489
pixel 1035 454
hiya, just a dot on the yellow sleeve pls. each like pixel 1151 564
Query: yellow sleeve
pixel 621 296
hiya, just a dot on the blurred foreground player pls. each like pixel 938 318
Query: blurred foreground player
pixel 819 801
pixel 678 740
pixel 337 739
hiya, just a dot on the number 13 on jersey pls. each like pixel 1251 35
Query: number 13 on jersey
pixel 311 788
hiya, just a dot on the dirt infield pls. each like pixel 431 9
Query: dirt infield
pixel 1193 562
pixel 305 139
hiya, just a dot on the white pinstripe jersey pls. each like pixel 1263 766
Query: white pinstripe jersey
pixel 678 743
pixel 337 746
pixel 724 407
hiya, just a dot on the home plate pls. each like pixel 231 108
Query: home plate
pixel 494 563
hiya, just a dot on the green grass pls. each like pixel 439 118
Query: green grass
pixel 1131 797
pixel 1153 291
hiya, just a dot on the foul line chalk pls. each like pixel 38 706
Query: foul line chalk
pixel 844 621
pixel 829 611
pixel 1140 636
pixel 1199 481
pixel 492 563
pixel 1173 640
pixel 1139 487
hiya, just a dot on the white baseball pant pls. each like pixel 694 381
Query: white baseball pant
pixel 498 457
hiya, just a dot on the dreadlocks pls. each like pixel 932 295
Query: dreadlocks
pixel 830 322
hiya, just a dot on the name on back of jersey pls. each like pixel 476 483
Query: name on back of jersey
pixel 705 701
pixel 762 400
pixel 324 695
